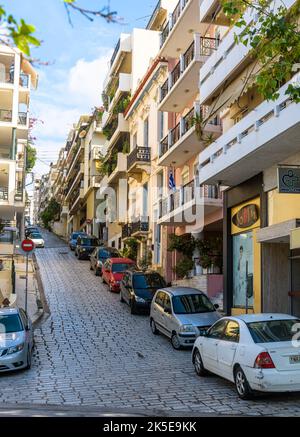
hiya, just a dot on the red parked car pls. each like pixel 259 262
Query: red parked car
pixel 113 271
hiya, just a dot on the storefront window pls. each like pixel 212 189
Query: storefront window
pixel 243 270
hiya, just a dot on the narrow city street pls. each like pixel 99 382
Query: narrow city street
pixel 91 352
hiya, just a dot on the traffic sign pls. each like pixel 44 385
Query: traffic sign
pixel 27 245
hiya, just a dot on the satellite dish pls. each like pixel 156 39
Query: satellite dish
pixel 82 134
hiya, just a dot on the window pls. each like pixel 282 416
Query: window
pixel 217 330
pixel 10 324
pixel 232 332
pixel 273 330
pixel 113 244
pixel 119 268
pixel 152 280
pixel 243 270
pixel 192 304
pixel 167 303
pixel 134 141
pixel 160 299
pixel 146 132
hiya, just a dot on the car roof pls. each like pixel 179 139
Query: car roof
pixel 251 318
pixel 143 272
pixel 109 249
pixel 181 291
pixel 8 311
pixel 121 260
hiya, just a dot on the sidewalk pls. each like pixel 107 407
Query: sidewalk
pixel 35 308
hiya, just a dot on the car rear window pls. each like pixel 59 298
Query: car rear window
pixel 192 304
pixel 151 280
pixel 36 235
pixel 120 267
pixel 10 323
pixel 105 254
pixel 89 242
pixel 272 331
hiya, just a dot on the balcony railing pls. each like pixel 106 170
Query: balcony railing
pixel 139 155
pixel 24 80
pixel 200 47
pixel 126 230
pixel 175 134
pixel 114 55
pixel 140 225
pixel 19 195
pixel 22 118
pixel 156 9
pixel 6 115
pixel 173 20
pixel 3 193
pixel 6 77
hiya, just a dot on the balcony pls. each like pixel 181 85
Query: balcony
pixel 79 171
pixel 122 48
pixel 24 80
pixel 182 84
pixel 139 226
pixel 5 115
pixel 76 199
pixel 157 14
pixel 4 194
pixel 22 118
pixel 188 204
pixel 182 142
pixel 126 231
pixel 19 195
pixel 119 127
pixel 263 138
pixel 176 35
pixel 211 11
pixel 119 170
pixel 138 159
pixel 123 85
pixel 228 61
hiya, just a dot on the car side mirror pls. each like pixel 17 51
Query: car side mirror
pixel 216 306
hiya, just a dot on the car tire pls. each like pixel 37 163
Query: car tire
pixel 133 309
pixel 198 364
pixel 153 327
pixel 97 273
pixel 91 267
pixel 121 297
pixel 110 287
pixel 241 384
pixel 28 366
pixel 79 257
pixel 175 342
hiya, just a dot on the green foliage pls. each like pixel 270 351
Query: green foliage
pixel 184 244
pixel 130 249
pixel 200 124
pixel 275 43
pixel 210 251
pixel 146 260
pixel 50 213
pixel 183 267
pixel 30 157
pixel 122 104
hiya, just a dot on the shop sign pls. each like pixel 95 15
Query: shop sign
pixel 289 180
pixel 247 216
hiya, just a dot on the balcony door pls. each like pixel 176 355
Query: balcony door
pixel 145 202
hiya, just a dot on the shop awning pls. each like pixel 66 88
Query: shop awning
pixel 279 233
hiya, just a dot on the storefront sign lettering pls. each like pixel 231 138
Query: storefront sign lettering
pixel 246 216
pixel 289 180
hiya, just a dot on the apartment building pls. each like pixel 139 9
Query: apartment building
pixel 17 77
pixel 128 65
pixel 36 200
pixel 256 160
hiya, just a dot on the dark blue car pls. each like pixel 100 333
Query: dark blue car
pixel 73 239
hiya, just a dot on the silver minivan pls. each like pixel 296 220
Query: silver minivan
pixel 182 314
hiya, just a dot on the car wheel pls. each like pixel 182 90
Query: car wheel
pixel 91 267
pixel 241 384
pixel 110 287
pixel 153 327
pixel 79 257
pixel 121 297
pixel 97 273
pixel 132 307
pixel 175 341
pixel 28 359
pixel 198 364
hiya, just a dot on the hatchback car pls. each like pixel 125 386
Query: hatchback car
pixel 73 239
pixel 16 340
pixel 138 288
pixel 182 314
pixel 99 256
pixel 85 246
pixel 113 271
pixel 37 238
pixel 258 352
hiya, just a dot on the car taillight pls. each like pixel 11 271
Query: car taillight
pixel 264 361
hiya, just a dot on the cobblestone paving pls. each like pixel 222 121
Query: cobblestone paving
pixel 92 352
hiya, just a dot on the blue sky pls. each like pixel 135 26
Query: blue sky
pixel 72 84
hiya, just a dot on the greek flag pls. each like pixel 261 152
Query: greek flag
pixel 172 185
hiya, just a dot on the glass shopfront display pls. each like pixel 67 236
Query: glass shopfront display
pixel 243 270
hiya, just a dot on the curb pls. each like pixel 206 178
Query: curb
pixel 45 310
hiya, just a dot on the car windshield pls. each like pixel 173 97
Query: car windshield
pixel 148 281
pixel 192 304
pixel 105 254
pixel 10 323
pixel 273 330
pixel 120 267
pixel 89 242
pixel 36 235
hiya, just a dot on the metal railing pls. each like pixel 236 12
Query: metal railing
pixel 208 45
pixel 175 74
pixel 156 9
pixel 175 135
pixel 22 118
pixel 3 193
pixel 175 17
pixel 140 225
pixel 164 90
pixel 24 80
pixel 189 55
pixel 19 194
pixel 139 155
pixel 114 55
pixel 176 13
pixel 164 145
pixel 189 120
pixel 164 34
pixel 6 115
pixel 126 230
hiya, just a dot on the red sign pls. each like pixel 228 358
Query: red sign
pixel 27 245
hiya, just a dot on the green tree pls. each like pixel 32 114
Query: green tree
pixel 30 157
pixel 50 213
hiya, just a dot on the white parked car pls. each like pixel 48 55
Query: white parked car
pixel 258 352
pixel 37 238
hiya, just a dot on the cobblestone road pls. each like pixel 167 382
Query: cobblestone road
pixel 92 352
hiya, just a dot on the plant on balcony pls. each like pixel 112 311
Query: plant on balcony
pixel 122 104
pixel 274 44
pixel 30 157
pixel 200 124
pixel 126 146
pixel 110 128
pixel 130 249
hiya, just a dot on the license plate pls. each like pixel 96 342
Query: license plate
pixel 295 359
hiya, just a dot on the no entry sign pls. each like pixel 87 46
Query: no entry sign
pixel 27 245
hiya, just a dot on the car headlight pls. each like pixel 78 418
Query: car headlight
pixel 82 250
pixel 15 349
pixel 188 328
pixel 139 299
